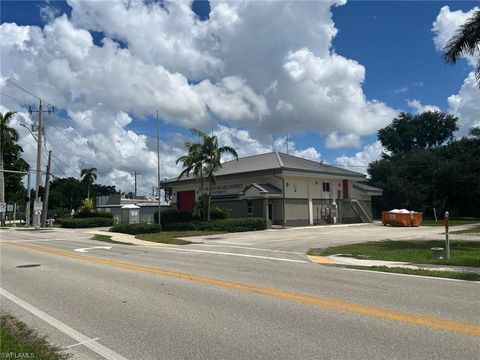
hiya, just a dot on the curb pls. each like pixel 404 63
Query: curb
pixel 323 260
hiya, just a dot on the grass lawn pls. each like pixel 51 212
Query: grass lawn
pixel 451 222
pixel 108 239
pixel 463 253
pixel 20 342
pixel 171 237
pixel 434 273
pixel 472 230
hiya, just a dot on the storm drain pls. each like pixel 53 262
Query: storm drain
pixel 27 266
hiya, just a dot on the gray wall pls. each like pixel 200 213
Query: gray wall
pixel 296 212
pixel 146 212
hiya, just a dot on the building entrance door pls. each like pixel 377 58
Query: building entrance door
pixel 270 212
pixel 186 200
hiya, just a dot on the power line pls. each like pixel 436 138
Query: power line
pixel 8 81
pixel 15 99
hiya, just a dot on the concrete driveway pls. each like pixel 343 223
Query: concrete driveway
pixel 301 239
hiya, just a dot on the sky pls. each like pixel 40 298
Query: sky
pixel 323 76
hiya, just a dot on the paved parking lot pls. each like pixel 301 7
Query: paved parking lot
pixel 301 239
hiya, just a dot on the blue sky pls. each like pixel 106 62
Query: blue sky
pixel 392 40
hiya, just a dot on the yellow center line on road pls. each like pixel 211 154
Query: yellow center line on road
pixel 324 302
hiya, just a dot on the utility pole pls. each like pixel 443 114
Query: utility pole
pixel 38 178
pixel 158 171
pixel 46 191
pixel 27 206
pixel 135 174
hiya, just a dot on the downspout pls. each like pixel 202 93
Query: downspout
pixel 283 198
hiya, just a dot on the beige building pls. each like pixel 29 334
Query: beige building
pixel 285 189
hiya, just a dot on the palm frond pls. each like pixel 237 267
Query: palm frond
pixel 465 40
pixel 198 133
pixel 228 150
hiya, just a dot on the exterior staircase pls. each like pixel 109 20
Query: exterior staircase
pixel 360 211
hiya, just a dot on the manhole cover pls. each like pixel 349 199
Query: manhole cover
pixel 27 266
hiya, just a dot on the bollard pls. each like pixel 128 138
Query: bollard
pixel 447 240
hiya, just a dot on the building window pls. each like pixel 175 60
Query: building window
pixel 326 187
pixel 249 207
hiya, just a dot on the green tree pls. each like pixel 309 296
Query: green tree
pixel 89 176
pixel 193 162
pixel 8 137
pixel 410 132
pixel 466 40
pixel 11 184
pixel 421 176
pixel 204 159
pixel 475 132
pixel 68 193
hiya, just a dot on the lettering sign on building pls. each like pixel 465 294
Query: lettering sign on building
pixel 224 189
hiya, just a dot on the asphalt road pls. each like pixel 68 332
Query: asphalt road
pixel 228 301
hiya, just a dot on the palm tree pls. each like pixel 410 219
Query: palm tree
pixel 466 40
pixel 204 159
pixel 88 177
pixel 8 136
pixel 213 156
pixel 475 132
pixel 193 163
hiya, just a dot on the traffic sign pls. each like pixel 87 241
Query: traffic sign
pixel 10 207
pixel 3 207
pixel 37 206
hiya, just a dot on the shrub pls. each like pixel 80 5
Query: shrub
pixel 225 225
pixel 134 229
pixel 217 213
pixel 171 216
pixel 58 213
pixel 92 214
pixel 174 216
pixel 182 226
pixel 85 222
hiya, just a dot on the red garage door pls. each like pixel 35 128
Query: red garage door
pixel 185 200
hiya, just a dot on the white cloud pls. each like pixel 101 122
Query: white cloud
pixel 446 24
pixel 420 108
pixel 335 141
pixel 466 103
pixel 271 77
pixel 361 159
pixel 228 44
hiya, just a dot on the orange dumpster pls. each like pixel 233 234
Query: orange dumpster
pixel 416 219
pixel 401 218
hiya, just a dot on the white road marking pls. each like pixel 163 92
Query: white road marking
pixel 411 275
pixel 230 242
pixel 84 250
pixel 74 334
pixel 80 343
pixel 45 240
pixel 235 254
pixel 254 248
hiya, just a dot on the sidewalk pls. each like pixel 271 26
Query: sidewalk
pixel 340 259
pixel 127 239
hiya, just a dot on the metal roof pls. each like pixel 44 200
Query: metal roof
pixel 276 161
pixel 367 188
pixel 266 188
